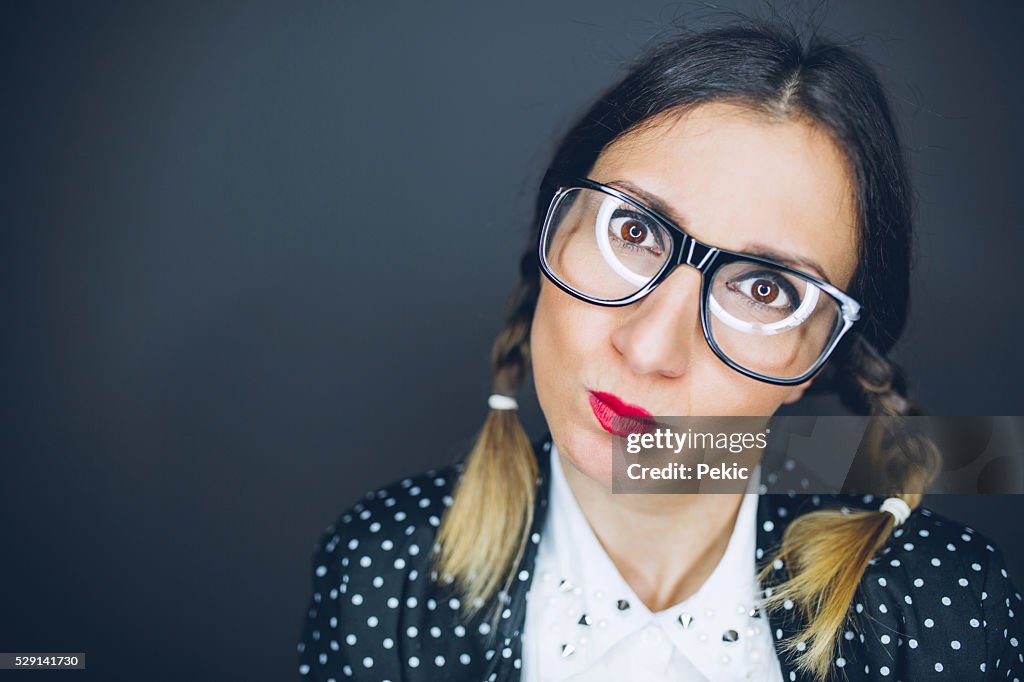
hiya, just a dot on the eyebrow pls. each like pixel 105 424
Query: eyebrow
pixel 654 202
pixel 759 250
pixel 795 262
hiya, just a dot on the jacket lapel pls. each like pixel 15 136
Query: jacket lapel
pixel 509 633
pixel 771 524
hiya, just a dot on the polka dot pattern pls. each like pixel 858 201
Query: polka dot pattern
pixel 936 603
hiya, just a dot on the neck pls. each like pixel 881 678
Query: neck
pixel 664 545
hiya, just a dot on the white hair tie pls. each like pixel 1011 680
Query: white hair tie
pixel 899 509
pixel 502 402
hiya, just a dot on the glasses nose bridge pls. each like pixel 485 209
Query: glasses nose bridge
pixel 695 254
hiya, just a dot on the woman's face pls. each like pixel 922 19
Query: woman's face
pixel 739 181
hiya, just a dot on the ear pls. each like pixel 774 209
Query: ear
pixel 796 392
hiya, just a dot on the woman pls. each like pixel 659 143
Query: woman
pixel 725 227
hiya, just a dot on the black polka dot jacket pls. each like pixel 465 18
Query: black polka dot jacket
pixel 935 604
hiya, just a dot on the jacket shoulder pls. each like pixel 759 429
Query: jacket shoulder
pixel 926 538
pixel 936 598
pixel 934 544
pixel 397 510
pixel 367 566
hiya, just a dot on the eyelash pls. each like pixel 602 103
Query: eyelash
pixel 787 288
pixel 639 217
pixel 622 243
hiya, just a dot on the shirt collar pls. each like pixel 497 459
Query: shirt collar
pixel 714 626
pixel 774 512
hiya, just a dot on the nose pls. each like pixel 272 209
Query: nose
pixel 660 333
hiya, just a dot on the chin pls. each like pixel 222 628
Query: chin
pixel 589 450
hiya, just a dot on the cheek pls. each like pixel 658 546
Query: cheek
pixel 568 339
pixel 742 396
pixel 551 346
pixel 565 334
pixel 565 340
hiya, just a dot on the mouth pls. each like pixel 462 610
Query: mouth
pixel 618 417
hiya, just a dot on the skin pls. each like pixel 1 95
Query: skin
pixel 739 180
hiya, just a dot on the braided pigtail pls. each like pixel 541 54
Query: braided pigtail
pixel 484 533
pixel 827 552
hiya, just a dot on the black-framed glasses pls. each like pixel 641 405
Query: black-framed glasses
pixel 764 319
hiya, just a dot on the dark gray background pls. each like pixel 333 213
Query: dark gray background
pixel 254 256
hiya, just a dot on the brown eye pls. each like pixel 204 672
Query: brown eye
pixel 764 291
pixel 633 232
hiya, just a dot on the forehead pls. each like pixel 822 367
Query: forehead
pixel 739 180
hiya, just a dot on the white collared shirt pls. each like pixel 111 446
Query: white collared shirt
pixel 584 621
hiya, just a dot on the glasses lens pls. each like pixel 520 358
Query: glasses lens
pixel 771 321
pixel 603 247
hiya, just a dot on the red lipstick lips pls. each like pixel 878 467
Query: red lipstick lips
pixel 618 417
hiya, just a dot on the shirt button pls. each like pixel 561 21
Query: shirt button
pixel 651 650
pixel 652 635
